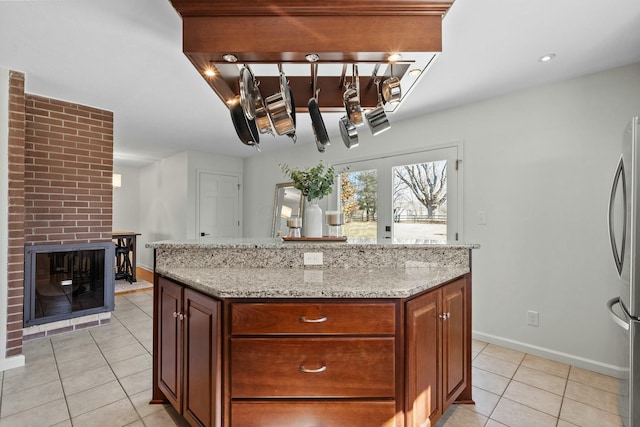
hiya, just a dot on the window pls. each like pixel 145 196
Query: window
pixel 404 198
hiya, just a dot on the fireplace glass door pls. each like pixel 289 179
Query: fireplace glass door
pixel 66 284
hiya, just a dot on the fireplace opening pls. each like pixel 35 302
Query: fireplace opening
pixel 66 281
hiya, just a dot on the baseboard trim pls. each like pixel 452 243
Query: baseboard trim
pixel 558 356
pixel 12 362
pixel 144 274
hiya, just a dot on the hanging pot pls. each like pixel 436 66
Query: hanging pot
pixel 246 83
pixel 281 108
pixel 349 132
pixel 246 129
pixel 351 98
pixel 377 118
pixel 391 90
pixel 263 122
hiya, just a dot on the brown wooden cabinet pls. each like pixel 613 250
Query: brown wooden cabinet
pixel 394 362
pixel 188 349
pixel 313 363
pixel 437 352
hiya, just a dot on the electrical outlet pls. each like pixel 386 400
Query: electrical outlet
pixel 482 218
pixel 313 258
pixel 532 318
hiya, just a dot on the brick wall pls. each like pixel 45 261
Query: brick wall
pixel 60 171
pixel 68 172
pixel 15 264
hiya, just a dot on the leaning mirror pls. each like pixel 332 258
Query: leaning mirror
pixel 287 203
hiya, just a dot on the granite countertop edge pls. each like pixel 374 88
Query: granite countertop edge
pixel 313 283
pixel 277 243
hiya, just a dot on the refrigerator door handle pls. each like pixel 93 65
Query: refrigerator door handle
pixel 619 321
pixel 618 257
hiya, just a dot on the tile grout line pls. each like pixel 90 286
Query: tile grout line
pixel 66 403
pixel 140 343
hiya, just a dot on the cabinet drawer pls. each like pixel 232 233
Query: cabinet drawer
pixel 313 414
pixel 309 319
pixel 312 367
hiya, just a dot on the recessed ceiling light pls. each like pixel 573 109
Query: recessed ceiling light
pixel 548 57
pixel 230 57
pixel 312 57
pixel 415 72
pixel 209 72
pixel 394 57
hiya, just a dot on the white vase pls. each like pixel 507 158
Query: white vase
pixel 313 220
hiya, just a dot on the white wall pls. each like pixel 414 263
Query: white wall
pixel 167 193
pixel 540 163
pixel 126 199
pixel 5 362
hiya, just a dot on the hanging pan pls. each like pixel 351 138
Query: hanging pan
pixel 245 128
pixel 246 84
pixel 319 129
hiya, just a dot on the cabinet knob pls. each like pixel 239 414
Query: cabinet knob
pixel 322 319
pixel 313 371
pixel 181 316
pixel 175 314
pixel 445 316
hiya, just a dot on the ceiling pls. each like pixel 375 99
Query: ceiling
pixel 126 56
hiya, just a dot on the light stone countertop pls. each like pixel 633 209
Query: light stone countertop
pixel 313 283
pixel 276 243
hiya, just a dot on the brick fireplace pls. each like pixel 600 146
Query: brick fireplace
pixel 60 191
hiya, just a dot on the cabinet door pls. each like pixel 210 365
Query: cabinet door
pixel 202 365
pixel 423 384
pixel 170 337
pixel 454 333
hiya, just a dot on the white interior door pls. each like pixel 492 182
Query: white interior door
pixel 218 206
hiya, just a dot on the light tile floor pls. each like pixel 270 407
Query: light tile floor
pixel 514 389
pixel 102 377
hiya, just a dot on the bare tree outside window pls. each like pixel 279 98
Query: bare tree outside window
pixel 420 201
pixel 427 182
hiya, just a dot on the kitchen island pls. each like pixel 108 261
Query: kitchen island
pixel 246 334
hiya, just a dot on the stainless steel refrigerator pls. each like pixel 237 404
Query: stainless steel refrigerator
pixel 624 234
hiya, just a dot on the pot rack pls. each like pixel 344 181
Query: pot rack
pixel 220 36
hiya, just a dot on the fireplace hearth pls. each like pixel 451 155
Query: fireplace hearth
pixel 67 281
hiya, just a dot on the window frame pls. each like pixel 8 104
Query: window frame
pixel 452 152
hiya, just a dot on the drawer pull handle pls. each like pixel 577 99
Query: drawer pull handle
pixel 313 371
pixel 322 319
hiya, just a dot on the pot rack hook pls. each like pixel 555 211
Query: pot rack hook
pixel 374 76
pixel 314 77
pixel 343 76
pixel 356 79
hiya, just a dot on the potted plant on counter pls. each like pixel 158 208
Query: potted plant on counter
pixel 314 183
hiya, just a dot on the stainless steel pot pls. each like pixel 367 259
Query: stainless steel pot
pixel 351 98
pixel 263 121
pixel 391 90
pixel 349 132
pixel 377 118
pixel 281 110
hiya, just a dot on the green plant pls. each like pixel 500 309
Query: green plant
pixel 314 182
